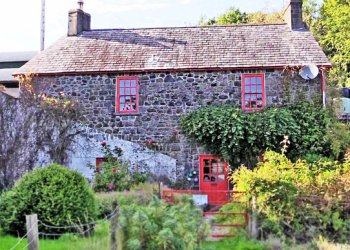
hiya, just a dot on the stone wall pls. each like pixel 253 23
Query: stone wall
pixel 164 98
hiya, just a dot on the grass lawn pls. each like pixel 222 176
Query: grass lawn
pixel 234 243
pixel 98 241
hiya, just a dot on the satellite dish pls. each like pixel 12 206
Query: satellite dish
pixel 309 72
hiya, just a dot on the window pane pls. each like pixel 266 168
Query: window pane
pixel 133 83
pixel 221 178
pixel 133 99
pixel 253 101
pixel 259 89
pixel 221 169
pixel 127 83
pixel 122 99
pixel 253 88
pixel 247 81
pixel 133 91
pixel 127 98
pixel 121 83
pixel 247 88
pixel 127 91
pixel 259 97
pixel 133 106
pixel 122 106
pixel 206 178
pixel 259 80
pixel 121 91
pixel 253 80
pixel 259 105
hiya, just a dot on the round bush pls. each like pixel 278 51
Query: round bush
pixel 59 196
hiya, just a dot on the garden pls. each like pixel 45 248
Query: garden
pixel 292 166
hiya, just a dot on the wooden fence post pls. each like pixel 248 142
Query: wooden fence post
pixel 32 232
pixel 114 226
pixel 254 219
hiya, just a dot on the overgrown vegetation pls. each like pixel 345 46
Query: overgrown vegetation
pixel 298 200
pixel 156 225
pixel 32 124
pixel 59 196
pixel 113 174
pixel 240 137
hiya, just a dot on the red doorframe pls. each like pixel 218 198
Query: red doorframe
pixel 213 178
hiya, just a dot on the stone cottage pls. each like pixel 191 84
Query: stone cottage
pixel 135 84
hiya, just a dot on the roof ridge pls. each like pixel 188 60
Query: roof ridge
pixel 191 27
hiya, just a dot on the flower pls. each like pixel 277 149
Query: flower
pixel 114 170
pixel 103 143
pixel 110 186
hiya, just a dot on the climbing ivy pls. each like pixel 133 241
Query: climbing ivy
pixel 240 137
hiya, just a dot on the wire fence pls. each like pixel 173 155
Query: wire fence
pixel 90 226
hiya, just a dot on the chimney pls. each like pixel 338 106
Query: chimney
pixel 293 15
pixel 78 20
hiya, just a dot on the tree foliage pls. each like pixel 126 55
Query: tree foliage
pixel 235 16
pixel 333 32
pixel 32 124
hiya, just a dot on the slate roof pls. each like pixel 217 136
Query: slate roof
pixel 190 48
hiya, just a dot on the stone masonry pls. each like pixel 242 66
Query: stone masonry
pixel 164 98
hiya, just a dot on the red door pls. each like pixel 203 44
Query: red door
pixel 213 179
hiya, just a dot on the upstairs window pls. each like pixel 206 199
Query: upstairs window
pixel 127 96
pixel 253 92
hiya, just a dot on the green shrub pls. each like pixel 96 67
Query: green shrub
pixel 160 226
pixel 298 200
pixel 59 197
pixel 140 194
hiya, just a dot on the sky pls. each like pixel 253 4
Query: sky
pixel 20 19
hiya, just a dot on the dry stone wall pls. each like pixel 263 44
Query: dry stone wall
pixel 164 98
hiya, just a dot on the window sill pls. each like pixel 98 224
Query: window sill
pixel 127 114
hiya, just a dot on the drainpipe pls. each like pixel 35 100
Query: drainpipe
pixel 323 87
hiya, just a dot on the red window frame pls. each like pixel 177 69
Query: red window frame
pixel 125 93
pixel 253 89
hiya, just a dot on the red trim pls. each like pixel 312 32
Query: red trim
pixel 323 87
pixel 244 77
pixel 117 101
pixel 167 70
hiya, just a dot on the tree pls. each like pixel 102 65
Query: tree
pixel 235 16
pixel 33 124
pixel 231 16
pixel 334 37
pixel 261 17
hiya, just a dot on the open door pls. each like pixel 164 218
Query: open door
pixel 213 179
